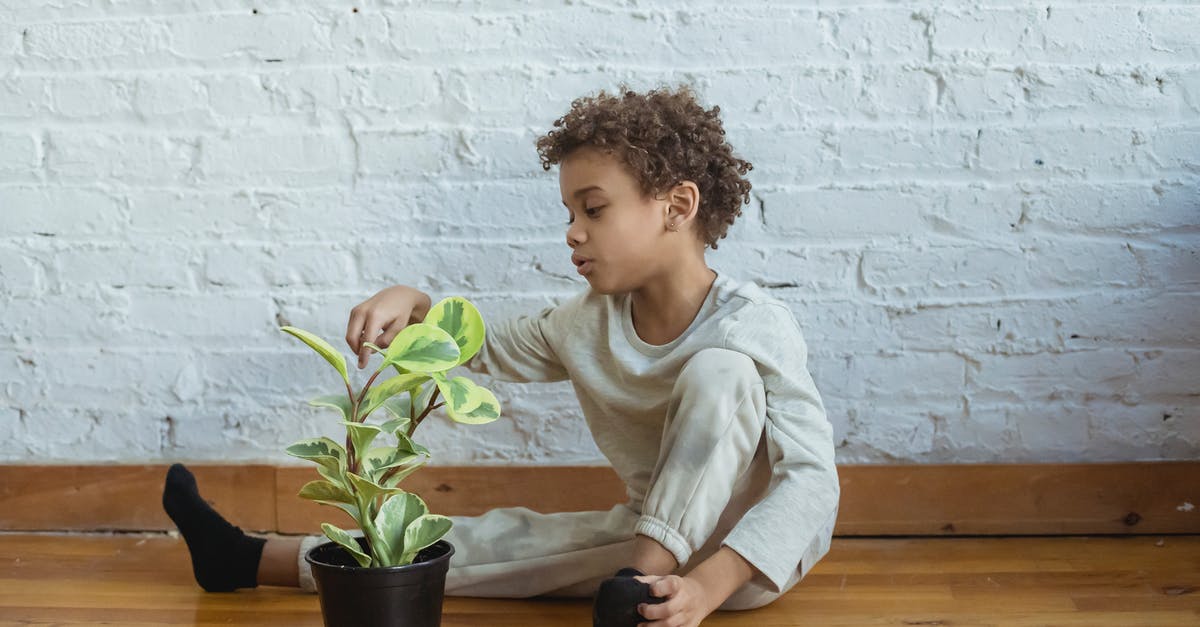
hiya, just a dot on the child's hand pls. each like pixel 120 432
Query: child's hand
pixel 685 606
pixel 379 318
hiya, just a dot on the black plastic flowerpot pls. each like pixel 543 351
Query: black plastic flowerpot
pixel 393 596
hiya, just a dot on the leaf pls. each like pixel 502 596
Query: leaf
pixel 323 491
pixel 327 493
pixel 393 518
pixel 382 458
pixel 458 317
pixel 361 435
pixel 368 490
pixel 457 392
pixel 334 476
pixel 321 450
pixel 423 348
pixel 467 402
pixel 423 532
pixel 397 426
pixel 327 351
pixel 395 479
pixel 380 393
pixel 337 401
pixel 348 542
pixel 399 406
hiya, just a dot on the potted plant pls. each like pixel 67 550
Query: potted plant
pixel 395 573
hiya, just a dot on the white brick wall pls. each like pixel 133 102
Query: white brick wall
pixel 986 218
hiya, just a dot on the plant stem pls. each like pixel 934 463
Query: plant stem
pixel 362 395
pixel 428 408
pixel 350 460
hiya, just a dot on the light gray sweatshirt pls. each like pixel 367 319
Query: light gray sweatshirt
pixel 624 384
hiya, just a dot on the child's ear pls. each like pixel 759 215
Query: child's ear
pixel 683 202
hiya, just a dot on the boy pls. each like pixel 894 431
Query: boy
pixel 694 386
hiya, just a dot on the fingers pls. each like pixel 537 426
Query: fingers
pixel 370 333
pixel 393 330
pixel 660 611
pixel 667 586
pixel 354 329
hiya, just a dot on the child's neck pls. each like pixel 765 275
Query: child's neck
pixel 664 308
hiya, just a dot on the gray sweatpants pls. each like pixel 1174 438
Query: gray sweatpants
pixel 711 469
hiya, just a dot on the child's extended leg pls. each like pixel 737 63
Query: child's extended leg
pixel 515 552
pixel 223 557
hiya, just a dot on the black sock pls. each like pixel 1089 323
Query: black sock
pixel 617 600
pixel 223 557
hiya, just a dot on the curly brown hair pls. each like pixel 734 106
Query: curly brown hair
pixel 663 137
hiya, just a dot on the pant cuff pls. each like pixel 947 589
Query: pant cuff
pixel 307 583
pixel 658 530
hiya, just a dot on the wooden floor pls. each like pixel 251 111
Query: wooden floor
pixel 128 580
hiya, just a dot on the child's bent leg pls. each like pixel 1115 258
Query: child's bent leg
pixel 515 552
pixel 715 421
pixel 278 566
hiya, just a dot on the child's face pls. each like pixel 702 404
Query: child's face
pixel 617 229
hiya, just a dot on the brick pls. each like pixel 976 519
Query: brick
pixel 135 159
pixel 1024 267
pixel 1172 31
pixel 297 264
pixel 986 32
pixel 91 97
pixel 19 157
pixel 55 320
pixel 217 319
pixel 1065 152
pixel 21 272
pixel 23 97
pixel 59 211
pixel 222 37
pixel 1133 206
pixel 94 42
pixel 277 158
pixel 837 213
pixel 116 264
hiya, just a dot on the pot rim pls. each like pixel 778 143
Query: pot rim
pixel 432 563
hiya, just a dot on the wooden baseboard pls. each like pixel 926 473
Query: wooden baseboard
pixel 925 500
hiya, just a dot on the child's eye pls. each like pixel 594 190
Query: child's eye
pixel 591 211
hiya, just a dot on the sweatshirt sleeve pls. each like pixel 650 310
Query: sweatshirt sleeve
pixel 525 348
pixel 792 526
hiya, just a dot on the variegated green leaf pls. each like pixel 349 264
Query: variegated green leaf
pixel 423 532
pixel 382 458
pixel 423 348
pixel 399 406
pixel 347 542
pixel 394 517
pixel 361 435
pixel 381 392
pixel 327 351
pixel 327 493
pixel 458 317
pixel 467 402
pixel 340 402
pixel 398 425
pixel 323 491
pixel 457 392
pixel 369 490
pixel 334 476
pixel 395 479
pixel 321 450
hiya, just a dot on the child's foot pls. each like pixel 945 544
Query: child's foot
pixel 618 598
pixel 223 558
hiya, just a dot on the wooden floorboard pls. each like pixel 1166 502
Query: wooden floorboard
pixel 145 579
